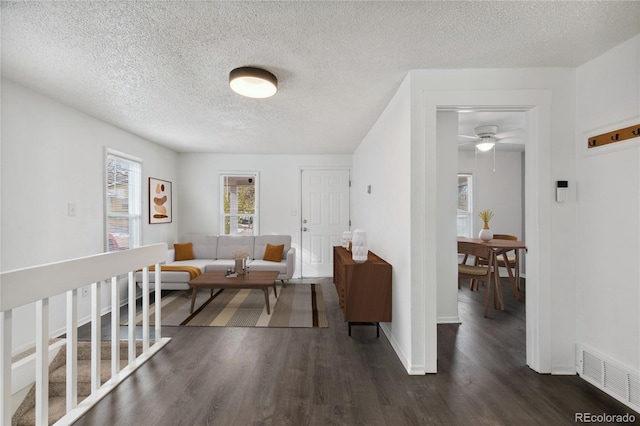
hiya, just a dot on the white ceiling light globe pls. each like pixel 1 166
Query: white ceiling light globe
pixel 253 82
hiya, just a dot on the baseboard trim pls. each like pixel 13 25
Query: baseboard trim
pixel 564 371
pixel 505 274
pixel 449 320
pixel 412 369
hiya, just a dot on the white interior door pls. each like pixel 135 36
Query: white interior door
pixel 325 216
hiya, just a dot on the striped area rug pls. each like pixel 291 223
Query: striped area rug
pixel 297 305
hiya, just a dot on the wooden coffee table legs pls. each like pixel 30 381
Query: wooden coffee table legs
pixel 266 299
pixel 194 293
pixel 265 288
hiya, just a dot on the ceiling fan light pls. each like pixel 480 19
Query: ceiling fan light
pixel 485 146
pixel 253 82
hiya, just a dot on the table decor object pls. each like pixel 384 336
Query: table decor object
pixel 346 239
pixel 240 258
pixel 485 233
pixel 359 249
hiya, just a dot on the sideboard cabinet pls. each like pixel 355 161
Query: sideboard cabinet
pixel 364 289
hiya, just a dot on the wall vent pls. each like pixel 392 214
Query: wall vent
pixel 610 376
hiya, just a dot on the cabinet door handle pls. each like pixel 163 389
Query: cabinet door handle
pixel 305 229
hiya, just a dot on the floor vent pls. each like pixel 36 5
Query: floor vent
pixel 610 376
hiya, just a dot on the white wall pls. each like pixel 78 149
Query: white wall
pixel 447 194
pixel 608 197
pixel 382 161
pixel 53 155
pixel 279 186
pixel 499 190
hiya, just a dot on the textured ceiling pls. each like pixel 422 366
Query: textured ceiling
pixel 160 69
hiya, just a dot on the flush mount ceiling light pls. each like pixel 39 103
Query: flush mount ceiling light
pixel 253 82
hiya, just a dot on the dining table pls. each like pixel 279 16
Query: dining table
pixel 501 247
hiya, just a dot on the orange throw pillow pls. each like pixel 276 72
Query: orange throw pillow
pixel 184 251
pixel 273 253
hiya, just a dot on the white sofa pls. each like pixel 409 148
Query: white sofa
pixel 215 252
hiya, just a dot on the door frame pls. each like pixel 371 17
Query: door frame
pixel 537 106
pixel 299 229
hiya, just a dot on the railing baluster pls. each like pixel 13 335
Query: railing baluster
pixel 115 327
pixel 158 297
pixel 132 318
pixel 95 336
pixel 72 349
pixel 66 277
pixel 42 361
pixel 145 308
pixel 5 365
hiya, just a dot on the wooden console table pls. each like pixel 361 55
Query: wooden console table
pixel 364 289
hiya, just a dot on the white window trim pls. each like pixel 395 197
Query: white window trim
pixel 471 195
pixel 222 214
pixel 107 152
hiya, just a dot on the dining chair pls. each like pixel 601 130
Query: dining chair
pixel 509 261
pixel 477 272
pixel 473 283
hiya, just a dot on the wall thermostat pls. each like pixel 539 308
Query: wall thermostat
pixel 562 187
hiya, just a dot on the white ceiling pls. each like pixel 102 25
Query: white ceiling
pixel 160 69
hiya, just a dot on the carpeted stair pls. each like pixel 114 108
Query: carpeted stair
pixel 25 415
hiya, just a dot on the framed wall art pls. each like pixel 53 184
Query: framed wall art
pixel 159 201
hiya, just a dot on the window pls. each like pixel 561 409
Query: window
pixel 123 201
pixel 465 206
pixel 239 204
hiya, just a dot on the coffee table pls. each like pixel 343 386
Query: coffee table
pixel 217 279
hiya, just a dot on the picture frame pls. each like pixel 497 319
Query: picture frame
pixel 160 201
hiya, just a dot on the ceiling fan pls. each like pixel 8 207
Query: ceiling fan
pixel 486 137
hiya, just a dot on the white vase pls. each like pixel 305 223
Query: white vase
pixel 359 249
pixel 485 234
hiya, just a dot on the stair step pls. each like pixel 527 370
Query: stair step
pixel 84 349
pixel 58 379
pixel 57 409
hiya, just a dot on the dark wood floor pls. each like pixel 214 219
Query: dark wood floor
pixel 251 376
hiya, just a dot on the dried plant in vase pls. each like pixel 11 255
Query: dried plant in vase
pixel 486 216
pixel 485 233
pixel 240 254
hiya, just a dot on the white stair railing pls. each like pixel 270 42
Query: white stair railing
pixel 38 284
